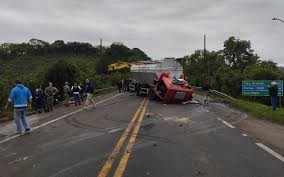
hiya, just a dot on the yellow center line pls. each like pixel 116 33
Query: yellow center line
pixel 122 164
pixel 107 166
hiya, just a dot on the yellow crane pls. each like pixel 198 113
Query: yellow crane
pixel 118 66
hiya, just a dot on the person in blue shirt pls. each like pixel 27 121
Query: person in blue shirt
pixel 21 97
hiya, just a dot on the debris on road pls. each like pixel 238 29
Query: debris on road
pixel 198 173
pixel 18 160
pixel 192 102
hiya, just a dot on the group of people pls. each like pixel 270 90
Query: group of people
pixel 122 85
pixel 44 99
pixel 22 99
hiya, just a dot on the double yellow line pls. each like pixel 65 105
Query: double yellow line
pixel 123 161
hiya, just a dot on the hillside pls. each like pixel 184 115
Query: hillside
pixel 34 63
pixel 29 66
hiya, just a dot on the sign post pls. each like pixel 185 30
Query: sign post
pixel 260 88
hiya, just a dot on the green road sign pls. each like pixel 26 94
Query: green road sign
pixel 260 87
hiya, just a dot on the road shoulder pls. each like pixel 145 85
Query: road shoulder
pixel 264 131
pixel 8 128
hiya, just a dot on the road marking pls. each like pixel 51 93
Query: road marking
pixel 114 130
pixel 270 151
pixel 244 134
pixel 229 125
pixel 226 123
pixel 3 149
pixel 54 120
pixel 108 164
pixel 123 161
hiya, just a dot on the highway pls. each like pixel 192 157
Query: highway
pixel 132 136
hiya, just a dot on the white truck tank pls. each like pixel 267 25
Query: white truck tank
pixel 145 72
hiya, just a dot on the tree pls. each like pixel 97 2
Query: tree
pixel 61 72
pixel 138 55
pixel 58 46
pixel 38 42
pixel 238 53
pixel 118 51
pixel 263 70
pixel 200 68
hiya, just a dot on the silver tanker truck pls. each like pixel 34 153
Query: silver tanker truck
pixel 162 79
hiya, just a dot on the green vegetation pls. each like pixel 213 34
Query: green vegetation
pixel 38 62
pixel 257 109
pixel 225 69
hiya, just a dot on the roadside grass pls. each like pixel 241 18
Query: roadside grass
pixel 257 109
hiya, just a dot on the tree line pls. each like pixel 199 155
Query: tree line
pixel 37 62
pixel 224 69
pixel 227 68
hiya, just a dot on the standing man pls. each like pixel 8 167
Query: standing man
pixel 119 86
pixel 50 91
pixel 22 98
pixel 89 90
pixel 206 88
pixel 273 92
pixel 39 99
pixel 67 91
pixel 81 92
pixel 76 89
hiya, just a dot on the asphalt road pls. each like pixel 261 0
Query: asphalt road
pixel 133 137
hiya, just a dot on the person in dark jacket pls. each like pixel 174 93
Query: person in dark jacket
pixel 90 91
pixel 39 99
pixel 206 88
pixel 76 89
pixel 82 92
pixel 273 93
pixel 119 86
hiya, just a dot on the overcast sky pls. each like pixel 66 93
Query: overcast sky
pixel 161 28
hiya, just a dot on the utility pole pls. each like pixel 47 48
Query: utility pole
pixel 101 46
pixel 204 54
pixel 204 43
pixel 101 55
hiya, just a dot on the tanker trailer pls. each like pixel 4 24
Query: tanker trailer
pixel 161 79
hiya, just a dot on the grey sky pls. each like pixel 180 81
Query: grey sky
pixel 162 28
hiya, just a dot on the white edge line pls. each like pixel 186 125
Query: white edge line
pixel 229 125
pixel 226 123
pixel 270 151
pixel 54 120
pixel 114 130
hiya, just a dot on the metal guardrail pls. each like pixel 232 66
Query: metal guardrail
pixel 222 94
pixel 217 93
